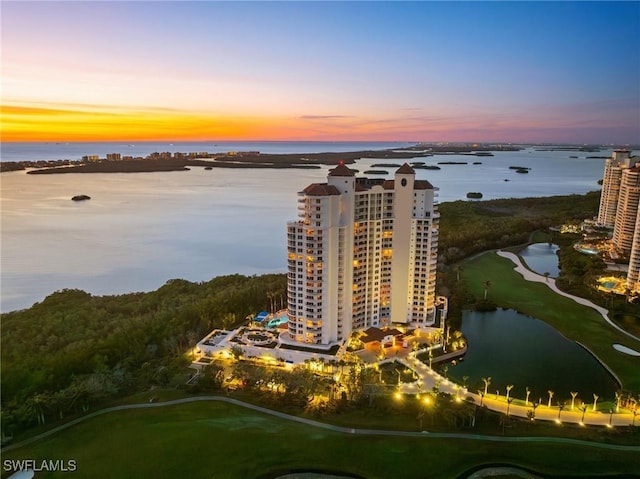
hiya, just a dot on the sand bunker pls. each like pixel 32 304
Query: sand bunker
pixel 626 350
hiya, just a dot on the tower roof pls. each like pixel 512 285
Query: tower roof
pixel 321 189
pixel 406 170
pixel 341 170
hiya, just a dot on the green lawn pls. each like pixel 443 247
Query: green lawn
pixel 217 440
pixel 579 323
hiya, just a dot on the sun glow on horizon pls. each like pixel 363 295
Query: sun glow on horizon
pixel 256 71
pixel 35 123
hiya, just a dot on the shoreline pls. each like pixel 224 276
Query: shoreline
pixel 252 159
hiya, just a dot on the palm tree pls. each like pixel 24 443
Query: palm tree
pixel 457 268
pixel 509 401
pixel 573 398
pixel 560 408
pixel 546 276
pixel 550 396
pixel 270 297
pixel 535 406
pixel 526 401
pixel 595 400
pixel 464 381
pixel 509 388
pixel 486 381
pixel 583 408
pixel 487 285
pixel 618 399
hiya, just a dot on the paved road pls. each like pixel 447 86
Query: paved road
pixel 428 378
pixel 339 429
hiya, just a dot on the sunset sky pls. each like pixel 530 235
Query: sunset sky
pixel 409 71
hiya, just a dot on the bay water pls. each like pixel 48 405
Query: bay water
pixel 141 229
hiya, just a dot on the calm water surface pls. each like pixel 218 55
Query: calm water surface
pixel 542 258
pixel 516 349
pixel 141 229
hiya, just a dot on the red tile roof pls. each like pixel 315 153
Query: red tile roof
pixel 321 189
pixel 422 185
pixel 341 170
pixel 377 334
pixel 417 185
pixel 406 170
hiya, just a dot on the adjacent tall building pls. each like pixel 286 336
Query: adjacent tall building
pixel 620 209
pixel 627 209
pixel 633 273
pixel 611 181
pixel 362 253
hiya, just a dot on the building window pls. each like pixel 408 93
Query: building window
pixel 403 182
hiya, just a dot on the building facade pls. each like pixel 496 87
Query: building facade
pixel 627 209
pixel 633 273
pixel 362 253
pixel 611 181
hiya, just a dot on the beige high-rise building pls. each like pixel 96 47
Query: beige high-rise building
pixel 362 253
pixel 612 178
pixel 627 210
pixel 633 274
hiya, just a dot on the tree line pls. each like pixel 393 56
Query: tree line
pixel 73 350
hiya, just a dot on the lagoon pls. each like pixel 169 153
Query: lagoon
pixel 513 348
pixel 542 258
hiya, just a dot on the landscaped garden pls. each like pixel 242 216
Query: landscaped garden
pixel 580 323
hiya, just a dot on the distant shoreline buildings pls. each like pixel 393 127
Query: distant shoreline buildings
pixel 362 254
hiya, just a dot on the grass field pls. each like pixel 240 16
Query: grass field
pixel 579 323
pixel 217 440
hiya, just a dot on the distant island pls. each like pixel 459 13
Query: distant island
pixel 176 161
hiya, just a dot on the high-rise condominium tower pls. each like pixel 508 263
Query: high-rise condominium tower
pixel 613 168
pixel 627 211
pixel 633 274
pixel 362 253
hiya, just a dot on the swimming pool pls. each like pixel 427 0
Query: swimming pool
pixel 275 322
